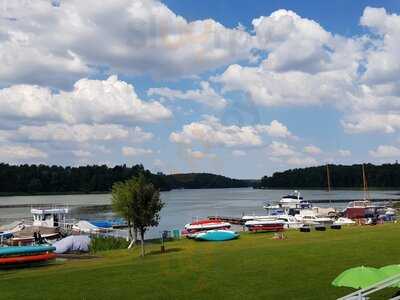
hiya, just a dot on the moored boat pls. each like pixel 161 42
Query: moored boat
pixel 203 225
pixel 265 225
pixel 46 225
pixel 344 221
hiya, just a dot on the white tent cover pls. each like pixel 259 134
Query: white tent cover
pixel 73 243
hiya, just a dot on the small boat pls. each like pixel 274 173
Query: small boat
pixel 290 222
pixel 25 254
pixel 26 236
pixel 292 201
pixel 206 224
pixel 118 223
pixel 313 220
pixel 24 250
pixel 250 218
pixel 216 235
pixel 344 221
pixel 265 225
pixel 26 259
pixel 47 223
pixel 87 227
pixel 5 235
pixel 264 222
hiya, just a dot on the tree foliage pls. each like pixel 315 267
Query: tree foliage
pixel 138 201
pixel 34 179
pixel 341 176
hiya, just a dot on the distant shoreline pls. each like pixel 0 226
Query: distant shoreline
pixel 396 191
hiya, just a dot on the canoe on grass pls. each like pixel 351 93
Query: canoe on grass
pixel 27 259
pixel 25 250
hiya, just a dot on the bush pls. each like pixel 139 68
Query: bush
pixel 103 243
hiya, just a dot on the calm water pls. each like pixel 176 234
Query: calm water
pixel 182 206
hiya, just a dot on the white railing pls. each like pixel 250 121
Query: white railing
pixel 361 294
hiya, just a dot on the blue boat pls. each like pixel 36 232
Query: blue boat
pixel 101 223
pixel 109 223
pixel 23 250
pixel 216 235
pixel 5 235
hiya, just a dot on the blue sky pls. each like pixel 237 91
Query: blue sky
pixel 230 87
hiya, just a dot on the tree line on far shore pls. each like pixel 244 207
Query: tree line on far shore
pixel 341 176
pixel 43 179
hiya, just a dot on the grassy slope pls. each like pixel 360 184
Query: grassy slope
pixel 252 267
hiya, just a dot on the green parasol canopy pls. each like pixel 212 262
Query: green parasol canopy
pixel 359 277
pixel 390 271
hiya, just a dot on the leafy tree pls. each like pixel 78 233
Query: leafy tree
pixel 122 205
pixel 146 206
pixel 138 201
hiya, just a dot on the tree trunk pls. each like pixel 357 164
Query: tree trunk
pixel 130 231
pixel 142 241
pixel 135 233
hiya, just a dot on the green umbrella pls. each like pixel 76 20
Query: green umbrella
pixel 359 277
pixel 390 271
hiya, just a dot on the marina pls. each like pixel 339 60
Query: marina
pixel 182 206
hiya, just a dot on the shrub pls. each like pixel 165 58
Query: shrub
pixel 103 243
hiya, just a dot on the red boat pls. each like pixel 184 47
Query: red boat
pixel 13 260
pixel 206 224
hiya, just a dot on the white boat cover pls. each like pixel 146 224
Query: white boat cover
pixel 85 226
pixel 72 243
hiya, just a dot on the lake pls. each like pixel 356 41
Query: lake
pixel 182 206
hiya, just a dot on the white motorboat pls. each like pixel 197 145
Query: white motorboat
pixel 264 222
pixel 47 223
pixel 203 225
pixel 290 221
pixel 249 217
pixel 344 221
pixel 313 220
pixel 291 201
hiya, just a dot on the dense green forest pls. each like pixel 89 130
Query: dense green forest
pixel 42 179
pixel 378 176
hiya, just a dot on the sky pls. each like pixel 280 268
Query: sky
pixel 242 89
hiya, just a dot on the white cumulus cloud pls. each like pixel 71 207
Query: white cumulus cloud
pixel 132 151
pixel 211 132
pixel 20 152
pixel 42 43
pixel 90 101
pixel 195 154
pixel 385 151
pixel 311 149
pixel 205 95
pixel 79 133
pixel 344 153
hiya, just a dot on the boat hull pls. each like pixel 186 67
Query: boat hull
pixel 25 250
pixel 217 235
pixel 26 259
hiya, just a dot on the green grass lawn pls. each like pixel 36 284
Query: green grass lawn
pixel 253 267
